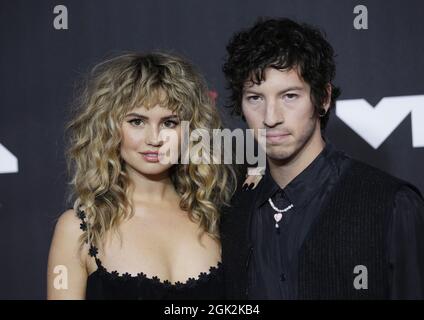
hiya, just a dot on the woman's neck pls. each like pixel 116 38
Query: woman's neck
pixel 151 188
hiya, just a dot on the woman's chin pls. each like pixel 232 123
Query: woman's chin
pixel 153 169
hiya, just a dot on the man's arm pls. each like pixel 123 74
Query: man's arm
pixel 406 246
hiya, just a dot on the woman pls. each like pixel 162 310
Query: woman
pixel 141 228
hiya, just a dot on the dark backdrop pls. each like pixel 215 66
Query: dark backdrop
pixel 39 67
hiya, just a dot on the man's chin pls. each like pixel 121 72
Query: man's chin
pixel 280 156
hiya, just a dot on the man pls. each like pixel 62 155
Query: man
pixel 320 225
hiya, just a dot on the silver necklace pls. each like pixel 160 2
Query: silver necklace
pixel 279 214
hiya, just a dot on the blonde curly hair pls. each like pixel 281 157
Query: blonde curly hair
pixel 99 180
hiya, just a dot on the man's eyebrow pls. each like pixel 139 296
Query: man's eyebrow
pixel 253 91
pixel 135 114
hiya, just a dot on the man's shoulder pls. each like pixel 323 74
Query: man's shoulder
pixel 371 175
pixel 242 199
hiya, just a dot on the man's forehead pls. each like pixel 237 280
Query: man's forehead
pixel 283 78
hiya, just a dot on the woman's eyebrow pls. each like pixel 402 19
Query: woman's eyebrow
pixel 134 114
pixel 174 116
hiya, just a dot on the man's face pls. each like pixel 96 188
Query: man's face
pixel 282 106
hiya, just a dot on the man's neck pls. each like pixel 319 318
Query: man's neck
pixel 284 172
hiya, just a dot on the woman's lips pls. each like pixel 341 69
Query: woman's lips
pixel 150 156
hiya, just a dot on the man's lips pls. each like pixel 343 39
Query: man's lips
pixel 276 136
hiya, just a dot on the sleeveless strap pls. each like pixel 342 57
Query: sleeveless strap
pixel 92 251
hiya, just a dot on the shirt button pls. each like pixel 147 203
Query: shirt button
pixel 282 277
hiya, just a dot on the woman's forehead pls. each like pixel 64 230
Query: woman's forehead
pixel 156 97
pixel 153 109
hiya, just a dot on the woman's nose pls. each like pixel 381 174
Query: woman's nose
pixel 153 137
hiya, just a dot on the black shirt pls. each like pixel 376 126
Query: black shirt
pixel 273 268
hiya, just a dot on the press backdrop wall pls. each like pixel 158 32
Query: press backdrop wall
pixel 39 66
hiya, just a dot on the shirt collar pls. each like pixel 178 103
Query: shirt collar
pixel 305 184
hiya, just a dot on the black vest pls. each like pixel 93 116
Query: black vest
pixel 351 230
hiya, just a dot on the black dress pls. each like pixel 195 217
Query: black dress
pixel 103 284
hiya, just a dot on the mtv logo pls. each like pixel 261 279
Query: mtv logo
pixel 376 124
pixel 8 162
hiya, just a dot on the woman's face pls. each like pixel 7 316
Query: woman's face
pixel 150 140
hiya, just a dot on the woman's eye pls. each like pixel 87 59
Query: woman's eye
pixel 170 124
pixel 136 122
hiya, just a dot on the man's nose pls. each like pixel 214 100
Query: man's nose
pixel 273 116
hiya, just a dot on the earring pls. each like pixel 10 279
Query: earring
pixel 322 112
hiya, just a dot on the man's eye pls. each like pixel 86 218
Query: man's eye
pixel 135 122
pixel 290 96
pixel 253 98
pixel 170 123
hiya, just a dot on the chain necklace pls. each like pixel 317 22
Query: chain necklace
pixel 279 214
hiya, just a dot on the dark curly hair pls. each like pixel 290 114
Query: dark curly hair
pixel 282 44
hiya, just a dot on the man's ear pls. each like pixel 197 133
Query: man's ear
pixel 327 102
